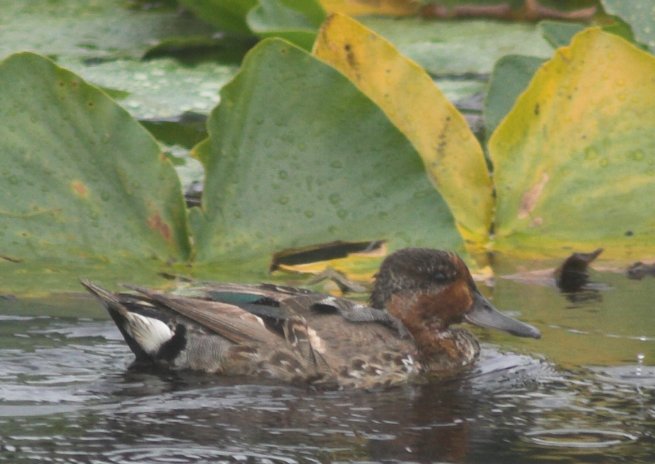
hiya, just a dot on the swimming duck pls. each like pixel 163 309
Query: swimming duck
pixel 296 335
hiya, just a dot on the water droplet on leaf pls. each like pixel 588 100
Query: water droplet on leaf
pixel 335 198
pixel 590 153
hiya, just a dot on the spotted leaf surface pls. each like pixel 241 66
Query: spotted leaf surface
pixel 297 155
pixel 403 90
pixel 574 165
pixel 83 183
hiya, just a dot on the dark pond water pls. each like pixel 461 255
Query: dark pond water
pixel 585 393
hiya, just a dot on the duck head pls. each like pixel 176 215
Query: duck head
pixel 431 289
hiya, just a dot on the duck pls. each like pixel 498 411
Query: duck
pixel 405 332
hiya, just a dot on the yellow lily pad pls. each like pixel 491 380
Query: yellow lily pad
pixel 358 260
pixel 452 155
pixel 574 165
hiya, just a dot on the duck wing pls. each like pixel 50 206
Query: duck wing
pixel 242 293
pixel 227 320
pixel 275 303
pixel 249 322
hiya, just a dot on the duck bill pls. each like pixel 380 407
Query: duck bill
pixel 483 314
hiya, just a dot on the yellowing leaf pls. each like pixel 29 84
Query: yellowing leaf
pixel 368 7
pixel 574 162
pixel 358 260
pixel 404 91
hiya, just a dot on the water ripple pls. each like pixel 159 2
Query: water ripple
pixel 580 438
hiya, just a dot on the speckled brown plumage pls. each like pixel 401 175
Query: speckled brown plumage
pixel 294 335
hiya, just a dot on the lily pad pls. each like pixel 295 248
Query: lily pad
pixel 103 42
pixel 228 15
pixel 559 33
pixel 160 88
pixel 451 153
pixel 511 76
pixel 85 185
pixel 93 29
pixel 294 20
pixel 573 161
pixel 459 90
pixel 640 14
pixel 447 48
pixel 359 260
pixel 297 155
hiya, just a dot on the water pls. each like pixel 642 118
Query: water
pixel 66 395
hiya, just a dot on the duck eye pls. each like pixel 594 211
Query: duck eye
pixel 444 276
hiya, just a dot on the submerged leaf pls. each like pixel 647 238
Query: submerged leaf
pixel 297 155
pixel 325 252
pixel 359 260
pixel 84 183
pixel 573 161
pixel 451 153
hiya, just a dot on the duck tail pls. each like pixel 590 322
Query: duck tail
pixel 144 334
pixel 108 299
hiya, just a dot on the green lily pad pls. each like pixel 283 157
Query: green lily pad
pixel 103 41
pixel 92 29
pixel 297 155
pixel 461 90
pixel 159 88
pixel 640 14
pixel 510 77
pixel 573 161
pixel 446 48
pixel 294 20
pixel 85 185
pixel 192 50
pixel 559 33
pixel 228 15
